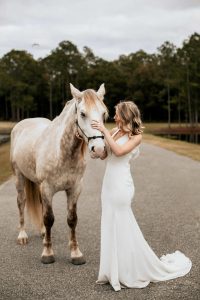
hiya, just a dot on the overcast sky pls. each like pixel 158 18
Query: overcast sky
pixel 108 27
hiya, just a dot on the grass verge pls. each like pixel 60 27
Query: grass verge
pixel 5 168
pixel 6 127
pixel 179 147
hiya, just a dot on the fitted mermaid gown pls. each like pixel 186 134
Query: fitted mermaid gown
pixel 126 259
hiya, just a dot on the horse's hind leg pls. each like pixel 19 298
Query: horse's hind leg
pixel 48 218
pixel 77 257
pixel 21 200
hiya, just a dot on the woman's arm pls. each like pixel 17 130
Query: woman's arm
pixel 120 150
pixel 117 149
pixel 112 131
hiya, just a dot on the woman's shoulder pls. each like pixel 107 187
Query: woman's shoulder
pixel 136 137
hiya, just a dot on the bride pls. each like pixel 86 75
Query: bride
pixel 126 259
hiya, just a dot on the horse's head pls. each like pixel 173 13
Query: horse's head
pixel 89 107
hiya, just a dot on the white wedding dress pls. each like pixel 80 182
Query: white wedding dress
pixel 126 259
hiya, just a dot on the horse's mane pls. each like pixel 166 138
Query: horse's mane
pixel 64 111
pixel 90 97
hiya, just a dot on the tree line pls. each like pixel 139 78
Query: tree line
pixel 165 85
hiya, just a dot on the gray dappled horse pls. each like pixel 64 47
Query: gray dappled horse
pixel 48 156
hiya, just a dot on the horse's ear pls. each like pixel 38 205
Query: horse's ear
pixel 75 92
pixel 101 91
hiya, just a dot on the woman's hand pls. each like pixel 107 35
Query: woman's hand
pixel 99 126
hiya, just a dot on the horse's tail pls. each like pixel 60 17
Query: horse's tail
pixel 34 202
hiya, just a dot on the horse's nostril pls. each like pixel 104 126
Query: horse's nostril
pixel 92 148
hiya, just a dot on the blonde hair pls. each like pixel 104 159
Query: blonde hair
pixel 130 118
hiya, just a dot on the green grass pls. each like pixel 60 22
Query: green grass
pixel 6 127
pixel 5 168
pixel 149 127
pixel 152 127
pixel 179 147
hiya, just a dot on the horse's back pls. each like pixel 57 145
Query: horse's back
pixel 23 138
pixel 30 123
pixel 29 129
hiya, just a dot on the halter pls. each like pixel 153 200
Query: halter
pixel 88 137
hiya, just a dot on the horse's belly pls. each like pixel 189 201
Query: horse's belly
pixel 61 179
pixel 63 183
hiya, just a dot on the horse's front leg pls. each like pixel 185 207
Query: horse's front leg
pixel 48 218
pixel 77 257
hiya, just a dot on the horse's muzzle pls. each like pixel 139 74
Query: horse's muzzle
pixel 97 152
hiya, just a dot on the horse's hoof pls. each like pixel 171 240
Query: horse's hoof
pixel 48 259
pixel 22 241
pixel 78 260
pixel 22 238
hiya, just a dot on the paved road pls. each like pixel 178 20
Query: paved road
pixel 166 206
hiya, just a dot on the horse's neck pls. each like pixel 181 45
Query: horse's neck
pixel 69 146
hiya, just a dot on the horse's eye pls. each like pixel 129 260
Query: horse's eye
pixel 104 117
pixel 83 115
